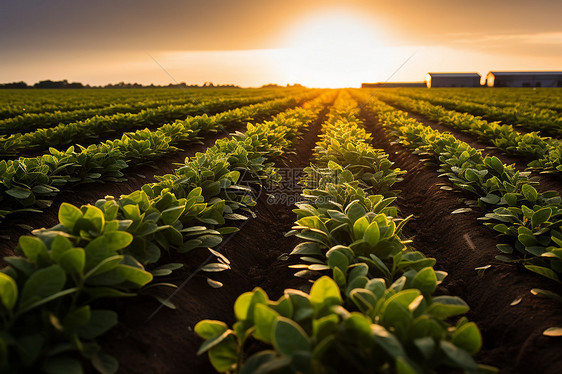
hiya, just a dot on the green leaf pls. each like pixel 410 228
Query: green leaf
pixel 208 329
pixel 447 306
pixel 545 272
pixel 130 275
pixel 258 363
pixel 289 337
pixel 359 227
pixel 355 211
pixel 496 164
pixel 43 283
pixel 245 304
pixel 529 192
pixel 214 341
pixel 426 281
pixel 224 356
pixel 337 258
pixel 541 216
pixel 59 245
pixel 18 193
pixel 325 293
pixel 105 363
pixel 307 248
pixel 115 240
pixel 33 248
pixel 468 337
pixel 403 367
pixel 490 199
pixel 171 215
pixel 387 341
pixel 105 265
pixel 372 234
pixel 209 240
pixel 73 261
pixel 95 216
pixel 459 356
pixel 77 318
pixel 264 319
pixel 100 322
pixel 68 215
pixel 8 291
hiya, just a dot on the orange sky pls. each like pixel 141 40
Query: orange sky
pixel 250 42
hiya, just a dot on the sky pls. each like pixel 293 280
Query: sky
pixel 318 43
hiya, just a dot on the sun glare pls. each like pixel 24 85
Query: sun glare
pixel 336 49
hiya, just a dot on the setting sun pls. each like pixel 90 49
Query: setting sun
pixel 333 49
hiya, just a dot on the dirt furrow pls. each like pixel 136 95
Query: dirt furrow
pixel 512 335
pixel 167 343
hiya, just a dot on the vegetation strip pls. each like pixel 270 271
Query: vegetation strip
pixel 545 121
pixel 376 312
pixel 545 152
pixel 29 184
pixel 102 251
pixel 98 126
pixel 533 220
pixel 33 121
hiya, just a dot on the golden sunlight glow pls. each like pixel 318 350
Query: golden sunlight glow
pixel 335 49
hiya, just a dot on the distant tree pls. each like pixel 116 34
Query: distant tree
pixel 57 84
pixel 74 85
pixel 14 85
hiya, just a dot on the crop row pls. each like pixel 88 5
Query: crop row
pixel 375 311
pixel 30 183
pixel 21 102
pixel 515 208
pixel 33 121
pixel 545 152
pixel 50 299
pixel 546 121
pixel 501 97
pixel 101 126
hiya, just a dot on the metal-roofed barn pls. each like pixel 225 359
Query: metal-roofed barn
pixel 452 80
pixel 392 84
pixel 524 79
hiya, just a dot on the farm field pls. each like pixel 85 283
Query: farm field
pixel 281 230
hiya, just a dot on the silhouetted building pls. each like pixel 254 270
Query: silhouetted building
pixel 452 80
pixel 524 79
pixel 392 84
